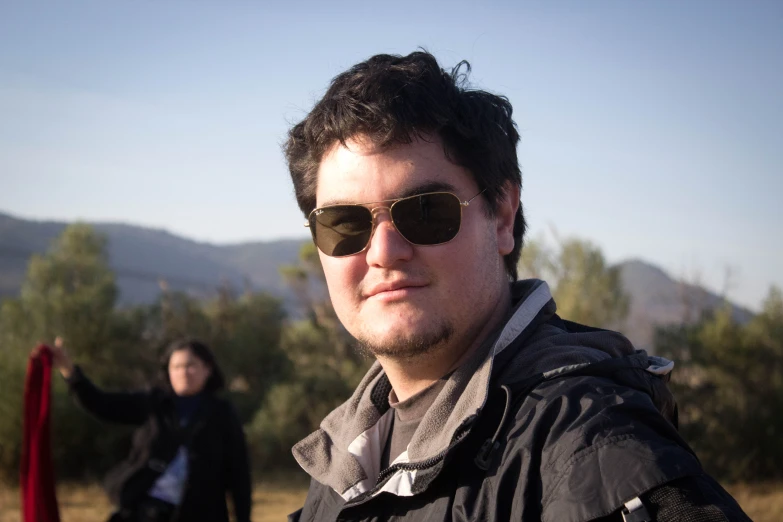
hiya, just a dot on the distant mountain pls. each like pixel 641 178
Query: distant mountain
pixel 141 256
pixel 658 299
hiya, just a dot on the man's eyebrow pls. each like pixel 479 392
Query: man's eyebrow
pixel 431 186
pixel 424 188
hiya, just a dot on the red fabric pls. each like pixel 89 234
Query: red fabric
pixel 39 502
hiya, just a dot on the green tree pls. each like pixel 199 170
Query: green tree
pixel 174 315
pixel 12 372
pixel 729 388
pixel 70 291
pixel 325 368
pixel 246 333
pixel 586 289
pixel 336 349
pixel 294 408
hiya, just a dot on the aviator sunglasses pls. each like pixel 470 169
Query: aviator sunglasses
pixel 433 218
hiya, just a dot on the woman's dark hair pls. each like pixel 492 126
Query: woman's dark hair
pixel 214 383
pixel 397 99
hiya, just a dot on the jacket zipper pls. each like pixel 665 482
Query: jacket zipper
pixel 486 448
pixel 388 472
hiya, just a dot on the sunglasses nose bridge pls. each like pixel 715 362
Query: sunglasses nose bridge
pixel 376 213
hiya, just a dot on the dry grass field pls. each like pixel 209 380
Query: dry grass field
pixel 273 502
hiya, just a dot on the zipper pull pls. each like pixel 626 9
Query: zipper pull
pixel 484 457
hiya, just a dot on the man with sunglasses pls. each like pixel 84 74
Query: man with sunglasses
pixel 483 404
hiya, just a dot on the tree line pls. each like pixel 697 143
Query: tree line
pixel 285 372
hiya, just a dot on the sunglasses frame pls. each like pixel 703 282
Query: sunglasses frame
pixel 462 205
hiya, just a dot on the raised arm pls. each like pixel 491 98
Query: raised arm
pixel 119 407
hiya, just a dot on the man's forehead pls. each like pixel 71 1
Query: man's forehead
pixel 360 171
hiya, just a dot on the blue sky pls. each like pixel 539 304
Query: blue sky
pixel 655 129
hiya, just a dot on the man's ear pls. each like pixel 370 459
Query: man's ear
pixel 505 214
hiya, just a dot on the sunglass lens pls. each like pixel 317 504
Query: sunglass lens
pixel 341 230
pixel 428 219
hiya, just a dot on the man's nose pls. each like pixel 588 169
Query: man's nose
pixel 387 246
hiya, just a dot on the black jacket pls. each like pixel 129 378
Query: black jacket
pixel 217 452
pixel 544 423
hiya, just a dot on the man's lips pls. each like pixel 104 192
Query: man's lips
pixel 393 288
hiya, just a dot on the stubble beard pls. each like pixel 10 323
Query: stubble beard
pixel 407 347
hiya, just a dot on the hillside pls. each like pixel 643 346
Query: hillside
pixel 143 256
pixel 657 298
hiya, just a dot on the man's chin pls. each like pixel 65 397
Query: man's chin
pixel 405 343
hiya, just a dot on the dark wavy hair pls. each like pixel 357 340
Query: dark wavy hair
pixel 396 99
pixel 215 382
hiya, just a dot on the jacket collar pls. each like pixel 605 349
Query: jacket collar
pixel 345 452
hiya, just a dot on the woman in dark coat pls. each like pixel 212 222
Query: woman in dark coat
pixel 189 450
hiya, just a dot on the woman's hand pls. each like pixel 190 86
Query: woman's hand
pixel 60 358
